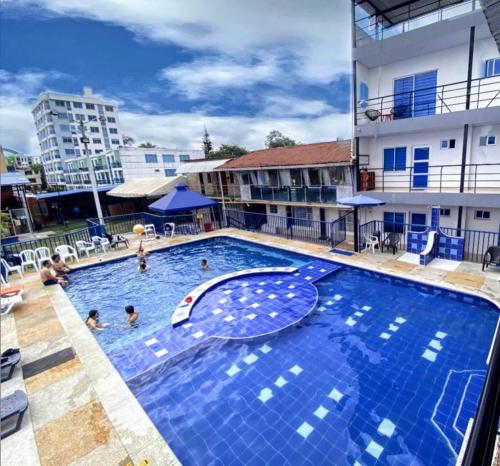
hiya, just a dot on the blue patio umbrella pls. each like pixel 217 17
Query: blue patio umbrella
pixel 359 201
pixel 181 199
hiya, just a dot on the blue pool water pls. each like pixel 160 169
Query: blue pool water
pixel 382 371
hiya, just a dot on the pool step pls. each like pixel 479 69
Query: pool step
pixel 317 269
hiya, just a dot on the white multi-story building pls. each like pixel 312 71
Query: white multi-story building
pixel 427 112
pixel 57 120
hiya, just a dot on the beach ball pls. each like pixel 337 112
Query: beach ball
pixel 138 229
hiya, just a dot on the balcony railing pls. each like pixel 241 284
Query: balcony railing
pixel 101 167
pixel 446 98
pixel 370 28
pixel 479 178
pixel 116 164
pixel 309 194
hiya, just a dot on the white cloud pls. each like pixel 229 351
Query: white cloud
pixel 201 78
pixel 283 105
pixel 185 130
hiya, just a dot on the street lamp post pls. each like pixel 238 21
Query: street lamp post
pixel 85 140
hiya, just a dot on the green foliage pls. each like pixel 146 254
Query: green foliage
pixel 227 151
pixel 147 145
pixel 276 139
pixel 128 140
pixel 10 160
pixel 4 224
pixel 206 144
pixel 37 167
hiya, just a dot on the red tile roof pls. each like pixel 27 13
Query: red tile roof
pixel 320 153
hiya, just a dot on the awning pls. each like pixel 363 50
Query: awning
pixel 146 187
pixel 12 179
pixel 70 193
pixel 204 166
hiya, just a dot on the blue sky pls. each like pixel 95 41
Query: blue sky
pixel 240 68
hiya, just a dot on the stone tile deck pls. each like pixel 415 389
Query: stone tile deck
pixel 81 411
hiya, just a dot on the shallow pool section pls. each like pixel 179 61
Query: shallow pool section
pixel 383 371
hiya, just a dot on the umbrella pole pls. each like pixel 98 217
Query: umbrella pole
pixel 356 232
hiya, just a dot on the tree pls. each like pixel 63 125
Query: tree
pixel 36 167
pixel 227 151
pixel 4 223
pixel 128 140
pixel 206 143
pixel 147 145
pixel 276 139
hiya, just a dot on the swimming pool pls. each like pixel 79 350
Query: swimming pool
pixel 383 371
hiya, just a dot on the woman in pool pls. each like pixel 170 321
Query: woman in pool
pixel 204 265
pixel 141 253
pixel 143 267
pixel 93 321
pixel 132 316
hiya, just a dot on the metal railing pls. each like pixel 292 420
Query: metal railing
pixel 309 194
pixel 373 27
pixel 435 100
pixel 479 177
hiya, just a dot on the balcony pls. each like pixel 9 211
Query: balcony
pixel 442 106
pixel 479 178
pixel 306 194
pixel 118 180
pixel 101 167
pixel 116 164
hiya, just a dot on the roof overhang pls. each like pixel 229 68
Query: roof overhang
pixel 491 9
pixel 204 166
pixel 287 167
pixel 146 187
pixel 392 12
pixel 13 179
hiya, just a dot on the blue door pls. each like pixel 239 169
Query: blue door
pixel 425 93
pixel 403 98
pixel 421 167
pixel 418 222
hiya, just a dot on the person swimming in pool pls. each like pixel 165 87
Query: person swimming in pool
pixel 204 265
pixel 132 316
pixel 143 267
pixel 92 321
pixel 141 253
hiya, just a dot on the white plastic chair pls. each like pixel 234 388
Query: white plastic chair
pixel 371 242
pixel 28 258
pixel 67 252
pixel 41 255
pixel 84 247
pixel 101 243
pixel 11 268
pixel 150 231
pixel 169 229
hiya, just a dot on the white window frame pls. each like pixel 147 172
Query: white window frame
pixel 476 217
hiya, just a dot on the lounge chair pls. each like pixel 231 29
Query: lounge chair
pixel 9 359
pixel 169 229
pixel 115 242
pixel 84 247
pixel 42 254
pixel 491 257
pixel 67 252
pixel 391 241
pixel 371 242
pixel 11 268
pixel 13 407
pixel 28 259
pixel 150 231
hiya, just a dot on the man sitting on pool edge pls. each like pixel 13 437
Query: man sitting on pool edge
pixel 132 316
pixel 60 267
pixel 48 277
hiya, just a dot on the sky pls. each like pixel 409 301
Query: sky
pixel 238 68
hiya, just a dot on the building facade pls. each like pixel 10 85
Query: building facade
pixel 24 164
pixel 427 112
pixel 57 120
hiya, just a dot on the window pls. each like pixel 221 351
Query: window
pixel 447 143
pixel 363 95
pixel 231 177
pixel 170 172
pixel 62 116
pixel 394 222
pixel 184 157
pixel 90 106
pixel 77 105
pixel 246 179
pixel 60 103
pixel 96 141
pixel 94 129
pixel 487 140
pixel 62 127
pixel 302 216
pixel 151 158
pixel 113 131
pixel 111 120
pixel 314 177
pixel 168 158
pixel 273 177
pixel 273 209
pixel 209 178
pixel 115 141
pixel 68 140
pixel 445 212
pixel 418 222
pixel 69 151
pixel 492 67
pixel 91 118
pixel 108 108
pixel 482 215
pixel 98 151
pixel 79 116
pixel 296 177
pixel 395 159
pixel 415 95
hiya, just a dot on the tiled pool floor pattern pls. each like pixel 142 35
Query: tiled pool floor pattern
pixel 325 391
pixel 243 307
